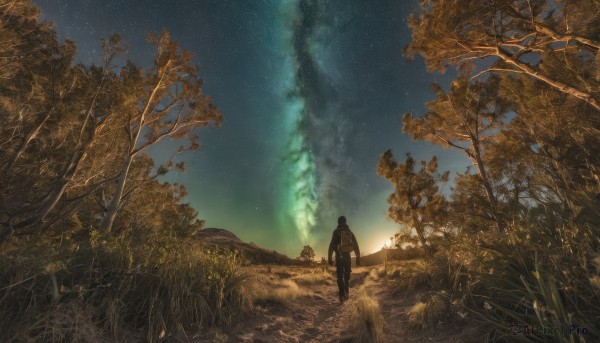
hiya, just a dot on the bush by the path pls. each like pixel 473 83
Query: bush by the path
pixel 105 289
pixel 529 276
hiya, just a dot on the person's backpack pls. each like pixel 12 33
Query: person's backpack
pixel 346 242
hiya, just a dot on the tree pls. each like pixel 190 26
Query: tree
pixel 307 254
pixel 71 133
pixel 417 201
pixel 548 40
pixel 166 101
pixel 465 118
pixel 549 156
pixel 81 118
pixel 49 123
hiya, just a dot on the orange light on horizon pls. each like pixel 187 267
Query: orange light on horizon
pixel 379 243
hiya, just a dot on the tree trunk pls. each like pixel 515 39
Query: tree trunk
pixel 488 186
pixel 48 205
pixel 26 142
pixel 422 239
pixel 113 207
pixel 52 199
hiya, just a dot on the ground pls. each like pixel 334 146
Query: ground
pixel 301 305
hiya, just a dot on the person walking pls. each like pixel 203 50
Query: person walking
pixel 343 242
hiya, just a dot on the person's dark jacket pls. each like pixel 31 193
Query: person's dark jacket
pixel 336 239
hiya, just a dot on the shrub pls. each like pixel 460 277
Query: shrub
pixel 109 289
pixel 428 312
pixel 549 284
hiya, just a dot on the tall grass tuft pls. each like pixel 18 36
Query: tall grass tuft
pixel 438 273
pixel 429 311
pixel 368 320
pixel 109 290
pixel 511 286
pixel 280 292
pixel 543 287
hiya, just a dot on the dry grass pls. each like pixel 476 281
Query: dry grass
pixel 69 322
pixel 428 312
pixel 374 274
pixel 281 292
pixel 368 320
pixel 532 275
pixel 394 272
pixel 314 279
pixel 417 313
pixel 114 292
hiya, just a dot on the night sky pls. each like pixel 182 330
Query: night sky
pixel 312 93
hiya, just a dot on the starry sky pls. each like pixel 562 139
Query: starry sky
pixel 312 93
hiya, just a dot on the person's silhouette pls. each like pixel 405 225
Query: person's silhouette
pixel 343 242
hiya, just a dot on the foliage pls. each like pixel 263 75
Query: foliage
pixel 550 288
pixel 528 122
pixel 116 290
pixel 73 142
pixel 307 254
pixel 465 118
pixel 547 40
pixel 73 137
pixel 417 200
pixel 164 101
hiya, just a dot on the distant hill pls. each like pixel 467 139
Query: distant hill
pixel 257 255
pixel 378 257
pixel 392 255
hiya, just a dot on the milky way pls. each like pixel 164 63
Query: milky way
pixel 312 93
pixel 316 150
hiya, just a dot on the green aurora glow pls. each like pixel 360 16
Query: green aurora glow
pixel 312 93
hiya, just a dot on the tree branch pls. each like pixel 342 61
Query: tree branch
pixel 563 87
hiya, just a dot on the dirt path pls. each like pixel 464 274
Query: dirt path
pixel 301 305
pixel 315 314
